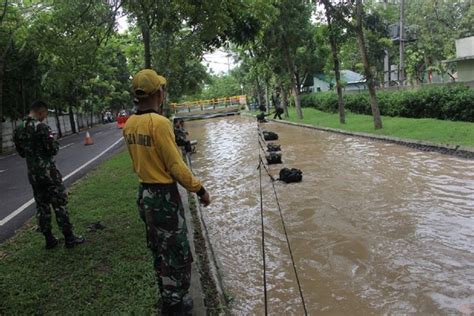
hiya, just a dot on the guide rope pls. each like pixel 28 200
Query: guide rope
pixel 263 239
pixel 262 163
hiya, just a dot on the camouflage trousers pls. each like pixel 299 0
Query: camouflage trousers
pixel 48 190
pixel 162 211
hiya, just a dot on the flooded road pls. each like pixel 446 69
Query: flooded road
pixel 375 228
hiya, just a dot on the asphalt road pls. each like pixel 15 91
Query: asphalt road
pixel 73 161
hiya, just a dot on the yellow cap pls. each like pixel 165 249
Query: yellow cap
pixel 146 82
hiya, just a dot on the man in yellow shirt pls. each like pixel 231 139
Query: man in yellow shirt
pixel 159 165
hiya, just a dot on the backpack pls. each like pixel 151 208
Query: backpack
pixel 273 158
pixel 290 175
pixel 270 135
pixel 21 138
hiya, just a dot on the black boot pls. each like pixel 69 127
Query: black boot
pixel 51 241
pixel 71 240
pixel 183 308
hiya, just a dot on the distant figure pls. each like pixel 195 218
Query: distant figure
pixel 278 112
pixel 181 135
pixel 34 141
pixel 261 118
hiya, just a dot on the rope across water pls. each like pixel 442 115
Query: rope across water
pixel 260 164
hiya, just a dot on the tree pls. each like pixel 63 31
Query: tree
pixel 352 17
pixel 68 36
pixel 334 39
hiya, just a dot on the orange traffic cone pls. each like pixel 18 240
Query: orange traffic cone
pixel 88 140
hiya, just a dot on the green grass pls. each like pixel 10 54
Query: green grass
pixel 436 131
pixel 112 273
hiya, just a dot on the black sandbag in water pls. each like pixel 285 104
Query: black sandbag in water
pixel 273 158
pixel 273 147
pixel 270 135
pixel 291 175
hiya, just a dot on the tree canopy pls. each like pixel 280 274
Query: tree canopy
pixel 71 54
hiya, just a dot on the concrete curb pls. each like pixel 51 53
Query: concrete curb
pixel 448 149
pixel 195 290
pixel 453 150
pixel 211 258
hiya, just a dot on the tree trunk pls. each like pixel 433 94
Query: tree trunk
pixel 58 125
pixel 368 72
pixel 146 44
pixel 260 92
pixel 284 102
pixel 294 84
pixel 71 120
pixel 2 76
pixel 337 72
pixel 23 98
pixel 3 56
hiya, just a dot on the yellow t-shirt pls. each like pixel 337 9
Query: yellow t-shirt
pixel 155 155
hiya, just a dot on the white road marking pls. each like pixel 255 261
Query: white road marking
pixel 2 171
pixel 66 146
pixel 27 204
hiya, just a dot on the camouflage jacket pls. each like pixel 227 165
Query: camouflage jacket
pixel 35 142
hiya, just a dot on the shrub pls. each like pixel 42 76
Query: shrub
pixel 454 102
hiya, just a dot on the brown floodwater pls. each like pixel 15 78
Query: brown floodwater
pixel 375 228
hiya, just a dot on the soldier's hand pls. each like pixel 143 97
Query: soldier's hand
pixel 205 199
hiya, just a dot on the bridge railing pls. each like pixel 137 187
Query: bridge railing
pixel 209 105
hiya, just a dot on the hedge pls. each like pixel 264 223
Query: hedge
pixel 454 102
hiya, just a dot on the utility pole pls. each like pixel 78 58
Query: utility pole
pixel 228 62
pixel 386 60
pixel 401 64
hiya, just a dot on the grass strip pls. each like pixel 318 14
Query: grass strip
pixel 432 130
pixel 112 273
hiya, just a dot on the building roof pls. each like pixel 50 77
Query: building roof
pixel 347 76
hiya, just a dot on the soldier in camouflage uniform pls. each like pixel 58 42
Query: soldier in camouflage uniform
pixel 161 209
pixel 159 165
pixel 34 141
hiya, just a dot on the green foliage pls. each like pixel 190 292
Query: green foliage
pixel 437 131
pixel 454 102
pixel 63 52
pixel 217 87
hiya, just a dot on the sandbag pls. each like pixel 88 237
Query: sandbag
pixel 273 158
pixel 270 135
pixel 273 147
pixel 291 175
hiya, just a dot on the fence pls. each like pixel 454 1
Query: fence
pixel 213 105
pixel 81 120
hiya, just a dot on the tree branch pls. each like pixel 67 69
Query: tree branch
pixel 337 14
pixel 5 5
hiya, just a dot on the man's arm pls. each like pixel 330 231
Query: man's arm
pixel 45 135
pixel 173 160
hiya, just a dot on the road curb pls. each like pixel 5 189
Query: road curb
pixel 206 259
pixel 448 149
pixel 195 290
